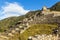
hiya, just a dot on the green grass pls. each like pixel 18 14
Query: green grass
pixel 37 29
pixel 7 22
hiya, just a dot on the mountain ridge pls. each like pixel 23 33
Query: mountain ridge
pixel 56 7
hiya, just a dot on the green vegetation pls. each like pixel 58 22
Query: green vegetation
pixel 38 29
pixel 34 29
pixel 5 23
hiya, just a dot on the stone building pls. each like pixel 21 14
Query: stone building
pixel 47 11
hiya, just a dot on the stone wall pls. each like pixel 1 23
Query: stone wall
pixel 46 11
pixel 44 37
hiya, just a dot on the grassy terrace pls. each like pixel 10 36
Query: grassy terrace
pixel 38 29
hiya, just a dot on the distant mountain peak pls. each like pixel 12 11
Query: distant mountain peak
pixel 58 2
pixel 56 7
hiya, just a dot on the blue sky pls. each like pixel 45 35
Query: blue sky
pixel 10 8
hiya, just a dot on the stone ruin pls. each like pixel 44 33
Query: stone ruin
pixel 47 11
pixel 44 37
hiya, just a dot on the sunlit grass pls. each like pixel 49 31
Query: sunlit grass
pixel 37 29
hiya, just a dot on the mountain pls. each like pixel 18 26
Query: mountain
pixel 13 20
pixel 32 23
pixel 56 7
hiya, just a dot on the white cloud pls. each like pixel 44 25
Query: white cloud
pixel 12 9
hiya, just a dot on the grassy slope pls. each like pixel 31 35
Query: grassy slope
pixel 5 23
pixel 12 20
pixel 38 29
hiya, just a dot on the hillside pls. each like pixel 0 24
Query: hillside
pixel 37 29
pixel 12 20
pixel 5 23
pixel 56 7
pixel 32 23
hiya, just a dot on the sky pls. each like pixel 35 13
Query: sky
pixel 10 8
